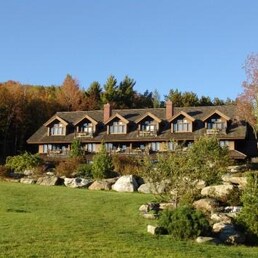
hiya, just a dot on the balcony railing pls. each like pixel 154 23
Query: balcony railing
pixel 83 134
pixel 215 131
pixel 145 133
pixel 58 153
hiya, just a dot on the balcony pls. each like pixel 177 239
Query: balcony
pixel 147 133
pixel 58 153
pixel 84 135
pixel 215 131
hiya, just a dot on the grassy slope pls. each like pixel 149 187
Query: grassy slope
pixel 40 221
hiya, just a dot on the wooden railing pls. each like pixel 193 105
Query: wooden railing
pixel 145 133
pixel 83 134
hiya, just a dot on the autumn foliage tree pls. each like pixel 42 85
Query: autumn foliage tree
pixel 247 102
pixel 70 96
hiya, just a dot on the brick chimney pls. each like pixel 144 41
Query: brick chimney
pixel 169 109
pixel 107 112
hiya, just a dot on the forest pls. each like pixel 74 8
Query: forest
pixel 24 108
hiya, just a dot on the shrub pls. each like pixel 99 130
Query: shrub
pixel 102 166
pixel 3 171
pixel 248 216
pixel 69 167
pixel 22 162
pixel 76 149
pixel 207 159
pixel 126 165
pixel 84 170
pixel 184 222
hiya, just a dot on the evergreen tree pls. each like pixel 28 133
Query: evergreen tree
pixel 102 166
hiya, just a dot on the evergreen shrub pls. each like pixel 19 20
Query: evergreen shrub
pixel 184 222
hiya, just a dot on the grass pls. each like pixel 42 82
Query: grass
pixel 40 221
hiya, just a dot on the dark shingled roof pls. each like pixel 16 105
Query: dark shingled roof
pixel 236 130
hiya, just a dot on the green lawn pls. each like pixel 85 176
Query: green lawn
pixel 40 221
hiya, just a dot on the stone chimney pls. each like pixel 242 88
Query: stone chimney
pixel 107 112
pixel 169 109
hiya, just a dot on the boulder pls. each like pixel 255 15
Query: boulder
pixel 154 230
pixel 50 180
pixel 206 205
pixel 228 234
pixel 144 208
pixel 150 215
pixel 77 182
pixel 202 239
pixel 200 184
pixel 237 168
pixel 125 184
pixel 145 188
pixel 167 205
pixel 104 184
pixel 154 188
pixel 28 172
pixel 221 217
pixel 217 191
pixel 233 209
pixel 237 180
pixel 26 180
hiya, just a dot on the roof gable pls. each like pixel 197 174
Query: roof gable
pixel 218 113
pixel 183 114
pixel 146 115
pixel 117 116
pixel 56 117
pixel 93 121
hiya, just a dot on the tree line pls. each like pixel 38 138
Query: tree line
pixel 24 108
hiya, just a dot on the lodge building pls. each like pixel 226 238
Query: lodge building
pixel 141 131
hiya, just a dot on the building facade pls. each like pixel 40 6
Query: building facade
pixel 140 131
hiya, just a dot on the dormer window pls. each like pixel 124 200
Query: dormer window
pixel 117 124
pixel 149 126
pixel 57 129
pixel 182 125
pixel 216 123
pixel 117 127
pixel 86 128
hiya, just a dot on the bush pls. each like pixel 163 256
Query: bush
pixel 102 166
pixel 248 217
pixel 84 170
pixel 3 171
pixel 22 162
pixel 76 149
pixel 207 160
pixel 126 165
pixel 69 167
pixel 184 223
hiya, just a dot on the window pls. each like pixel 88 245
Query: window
pixel 57 129
pixel 86 128
pixel 148 126
pixel 216 123
pixel 54 147
pixel 224 144
pixel 46 148
pixel 155 146
pixel 109 146
pixel 181 125
pixel 117 127
pixel 90 147
pixel 172 146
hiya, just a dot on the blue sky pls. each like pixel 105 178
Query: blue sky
pixel 197 46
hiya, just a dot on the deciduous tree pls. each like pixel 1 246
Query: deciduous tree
pixel 70 96
pixel 247 102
